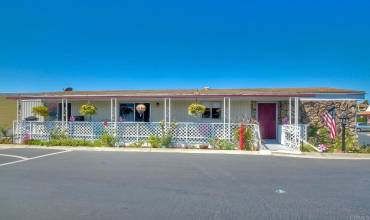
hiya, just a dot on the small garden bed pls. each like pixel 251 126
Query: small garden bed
pixel 319 136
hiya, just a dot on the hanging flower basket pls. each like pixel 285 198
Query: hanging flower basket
pixel 196 109
pixel 40 110
pixel 88 110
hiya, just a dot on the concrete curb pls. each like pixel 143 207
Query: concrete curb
pixel 327 156
pixel 153 150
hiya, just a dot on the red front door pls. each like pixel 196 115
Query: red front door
pixel 267 120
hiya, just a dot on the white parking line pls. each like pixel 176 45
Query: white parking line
pixel 16 156
pixel 22 159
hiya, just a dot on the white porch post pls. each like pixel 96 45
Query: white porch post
pixel 296 111
pixel 17 111
pixel 229 118
pixel 115 110
pixel 62 113
pixel 66 110
pixel 224 110
pixel 111 109
pixel 169 111
pixel 165 111
pixel 290 110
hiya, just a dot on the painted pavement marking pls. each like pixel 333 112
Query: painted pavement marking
pixel 23 159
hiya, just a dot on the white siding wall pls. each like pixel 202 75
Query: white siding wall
pixel 26 108
pixel 103 112
pixel 179 110
pixel 239 110
pixel 157 111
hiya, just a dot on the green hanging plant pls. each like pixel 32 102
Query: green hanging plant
pixel 88 110
pixel 40 111
pixel 196 109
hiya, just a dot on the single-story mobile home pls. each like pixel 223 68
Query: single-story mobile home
pixel 7 110
pixel 278 115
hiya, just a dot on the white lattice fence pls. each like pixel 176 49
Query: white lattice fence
pixel 291 136
pixel 128 132
pixel 136 131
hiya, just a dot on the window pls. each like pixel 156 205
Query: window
pixel 207 113
pixel 216 113
pixel 213 110
pixel 127 112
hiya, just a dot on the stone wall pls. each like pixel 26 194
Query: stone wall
pixel 283 113
pixel 311 111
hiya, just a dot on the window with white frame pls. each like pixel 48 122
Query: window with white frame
pixel 128 112
pixel 213 110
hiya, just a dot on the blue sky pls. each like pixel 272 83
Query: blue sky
pixel 48 45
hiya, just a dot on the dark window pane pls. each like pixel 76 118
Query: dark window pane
pixel 207 113
pixel 126 111
pixel 145 116
pixel 60 111
pixel 216 113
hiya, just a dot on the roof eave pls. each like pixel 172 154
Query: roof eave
pixel 160 96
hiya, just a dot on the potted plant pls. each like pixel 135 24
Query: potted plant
pixel 88 110
pixel 41 111
pixel 196 109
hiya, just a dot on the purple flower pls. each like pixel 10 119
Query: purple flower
pixel 105 123
pixel 72 118
pixel 285 120
pixel 26 138
pixel 322 147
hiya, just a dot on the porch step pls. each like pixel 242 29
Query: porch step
pixel 277 147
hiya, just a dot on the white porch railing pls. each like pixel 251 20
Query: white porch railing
pixel 292 135
pixel 128 132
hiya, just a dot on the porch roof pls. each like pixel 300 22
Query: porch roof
pixel 190 93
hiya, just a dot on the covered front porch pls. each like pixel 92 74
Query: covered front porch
pixel 272 119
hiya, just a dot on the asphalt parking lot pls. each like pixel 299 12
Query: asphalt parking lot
pixel 55 184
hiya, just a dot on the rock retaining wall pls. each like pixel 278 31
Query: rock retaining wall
pixel 311 112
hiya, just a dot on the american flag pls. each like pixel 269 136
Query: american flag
pixel 329 120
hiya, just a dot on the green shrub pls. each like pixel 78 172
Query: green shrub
pixel 317 136
pixel 166 133
pixel 323 136
pixel 3 132
pixel 65 142
pixel 108 140
pixel 307 148
pixel 138 144
pixel 154 141
pixel 166 140
pixel 35 142
pixel 364 150
pixel 351 143
pixel 58 133
pixel 6 140
pixel 361 119
pixel 221 144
